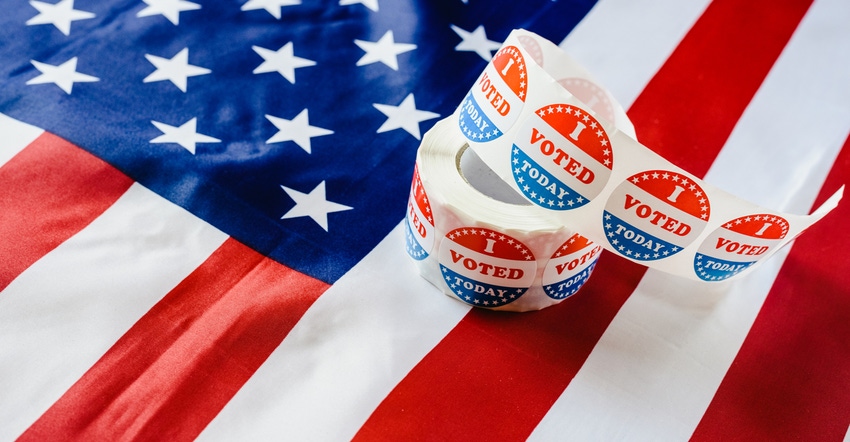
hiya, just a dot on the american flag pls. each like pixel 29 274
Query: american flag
pixel 201 236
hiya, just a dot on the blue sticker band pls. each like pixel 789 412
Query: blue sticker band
pixel 569 286
pixel 540 186
pixel 414 249
pixel 634 243
pixel 480 294
pixel 474 124
pixel 709 268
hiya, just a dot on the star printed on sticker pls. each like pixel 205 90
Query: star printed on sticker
pixel 272 6
pixel 63 75
pixel 297 129
pixel 404 116
pixel 60 15
pixel 476 41
pixel 185 135
pixel 371 4
pixel 385 50
pixel 282 61
pixel 314 204
pixel 176 69
pixel 169 9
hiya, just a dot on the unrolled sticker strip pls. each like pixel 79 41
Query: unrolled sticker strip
pixel 563 143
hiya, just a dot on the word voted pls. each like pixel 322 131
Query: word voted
pixel 493 96
pixel 417 223
pixel 738 248
pixel 486 269
pixel 572 166
pixel 658 218
pixel 572 264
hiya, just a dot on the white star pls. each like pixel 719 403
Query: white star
pixel 176 70
pixel 371 4
pixel 404 116
pixel 186 135
pixel 282 61
pixel 476 41
pixel 272 6
pixel 384 50
pixel 313 204
pixel 64 75
pixel 297 129
pixel 169 9
pixel 60 15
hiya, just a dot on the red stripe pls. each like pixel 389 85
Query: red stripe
pixel 717 83
pixel 36 186
pixel 495 375
pixel 791 378
pixel 175 369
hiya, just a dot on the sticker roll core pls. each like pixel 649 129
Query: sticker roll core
pixel 483 251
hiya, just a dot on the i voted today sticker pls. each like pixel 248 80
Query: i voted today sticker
pixel 561 158
pixel 419 223
pixel 655 214
pixel 495 101
pixel 486 268
pixel 570 266
pixel 737 245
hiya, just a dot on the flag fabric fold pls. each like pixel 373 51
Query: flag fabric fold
pixel 201 239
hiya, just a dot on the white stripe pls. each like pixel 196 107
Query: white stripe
pixel 658 365
pixel 64 312
pixel 14 137
pixel 798 119
pixel 356 342
pixel 623 42
pixel 365 333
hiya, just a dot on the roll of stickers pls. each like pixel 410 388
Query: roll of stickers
pixel 482 251
pixel 548 131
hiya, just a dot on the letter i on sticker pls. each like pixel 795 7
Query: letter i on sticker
pixel 419 223
pixel 494 103
pixel 655 214
pixel 485 268
pixel 737 245
pixel 561 158
pixel 569 267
